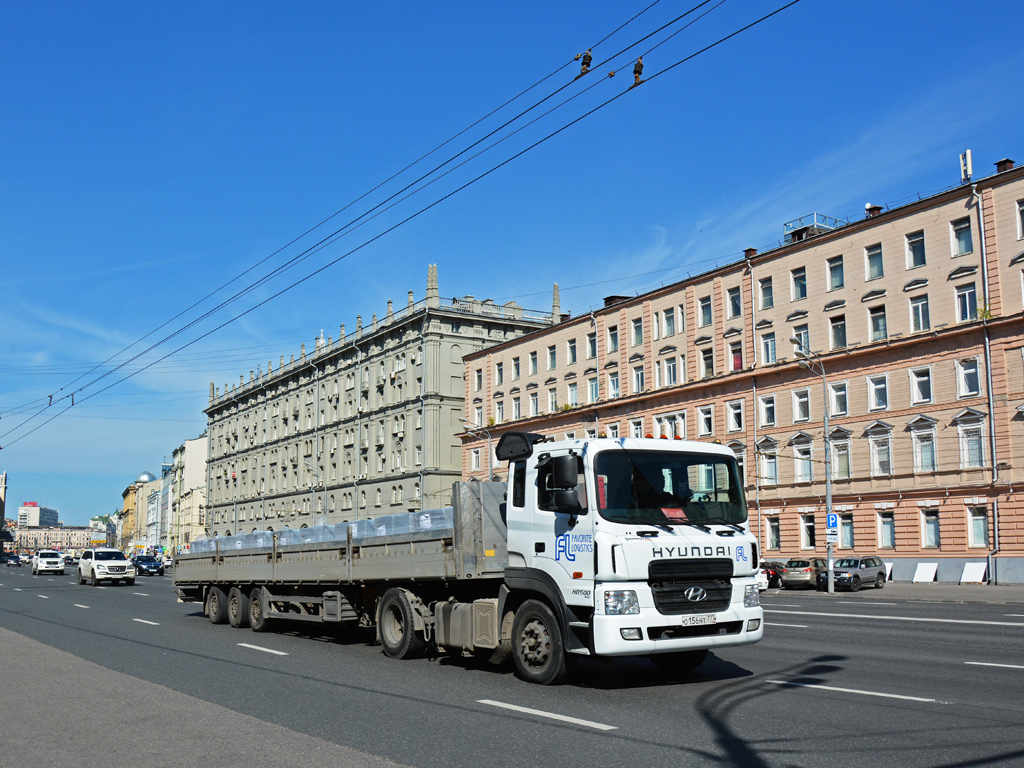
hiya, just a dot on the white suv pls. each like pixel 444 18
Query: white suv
pixel 105 564
pixel 48 560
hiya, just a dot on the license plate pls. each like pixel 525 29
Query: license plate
pixel 696 621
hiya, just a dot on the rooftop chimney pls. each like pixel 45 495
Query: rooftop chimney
pixel 1006 164
pixel 872 210
pixel 609 300
pixel 750 253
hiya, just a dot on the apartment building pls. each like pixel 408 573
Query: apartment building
pixel 362 427
pixel 912 320
pixel 188 494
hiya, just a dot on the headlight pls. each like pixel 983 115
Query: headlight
pixel 750 596
pixel 621 602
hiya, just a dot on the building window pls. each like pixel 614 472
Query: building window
pixel 846 531
pixel 572 396
pixel 769 464
pixel 930 529
pixel 592 390
pixel 613 385
pixel 881 454
pixel 474 460
pixel 977 526
pixel 704 312
pixel 774 533
pixel 878 392
pixel 552 358
pixel 915 250
pixel 803 339
pixel 638 332
pixel 876 316
pixel 517 408
pixel 707 363
pixel 499 411
pixel 801 405
pixel 613 338
pixel 669 319
pixel 671 378
pixel 499 373
pixel 766 407
pixel 960 230
pixel 638 379
pixel 515 368
pixel 923 441
pixel 552 400
pixel 533 364
pixel 807 532
pixel 838 401
pixel 534 404
pixel 591 346
pixel 636 428
pixel 919 319
pixel 612 430
pixel 972 445
pixel 1020 219
pixel 736 356
pixel 478 379
pixel 803 470
pixel 735 302
pixel 966 303
pixel 478 417
pixel 705 420
pixel 767 299
pixel 570 351
pixel 673 425
pixel 734 415
pixel 840 455
pixel 768 348
pixel 968 383
pixel 886 530
pixel 837 325
pixel 873 259
pixel 920 385
pixel 799 277
pixel 835 273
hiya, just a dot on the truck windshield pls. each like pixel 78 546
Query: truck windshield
pixel 668 488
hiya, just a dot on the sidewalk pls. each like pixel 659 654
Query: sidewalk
pixel 933 592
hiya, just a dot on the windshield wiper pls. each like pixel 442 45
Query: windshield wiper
pixel 693 523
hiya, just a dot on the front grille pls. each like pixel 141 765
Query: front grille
pixel 116 568
pixel 670 579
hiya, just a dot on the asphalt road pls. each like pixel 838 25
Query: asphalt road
pixel 837 681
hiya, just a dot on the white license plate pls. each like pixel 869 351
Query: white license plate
pixel 696 621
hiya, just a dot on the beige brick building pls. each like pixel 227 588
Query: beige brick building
pixel 915 315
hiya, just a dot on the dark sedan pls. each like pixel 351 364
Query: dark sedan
pixel 147 565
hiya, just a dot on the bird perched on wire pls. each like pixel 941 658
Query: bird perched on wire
pixel 638 70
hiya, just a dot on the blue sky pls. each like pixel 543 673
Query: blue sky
pixel 154 151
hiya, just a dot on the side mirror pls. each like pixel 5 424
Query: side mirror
pixel 568 501
pixel 564 472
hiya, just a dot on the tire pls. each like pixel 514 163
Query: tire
pixel 238 608
pixel 679 663
pixel 217 605
pixel 537 648
pixel 396 624
pixel 855 584
pixel 60 572
pixel 130 582
pixel 258 620
pixel 81 578
pixel 880 581
pixel 93 580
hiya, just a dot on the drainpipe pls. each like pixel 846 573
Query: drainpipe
pixel 748 253
pixel 991 564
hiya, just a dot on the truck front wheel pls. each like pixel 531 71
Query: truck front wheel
pixel 397 626
pixel 537 647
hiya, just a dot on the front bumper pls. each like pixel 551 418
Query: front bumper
pixel 662 633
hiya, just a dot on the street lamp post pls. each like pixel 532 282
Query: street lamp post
pixel 809 361
pixel 475 429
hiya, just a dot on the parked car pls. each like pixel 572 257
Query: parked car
pixel 802 572
pixel 105 564
pixel 47 560
pixel 774 570
pixel 762 580
pixel 855 572
pixel 147 565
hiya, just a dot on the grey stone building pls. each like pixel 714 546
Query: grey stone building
pixel 362 427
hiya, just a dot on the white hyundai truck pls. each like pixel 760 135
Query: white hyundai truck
pixel 597 547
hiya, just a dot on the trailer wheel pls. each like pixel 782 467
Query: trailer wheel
pixel 238 608
pixel 258 620
pixel 397 626
pixel 216 605
pixel 538 651
pixel 679 663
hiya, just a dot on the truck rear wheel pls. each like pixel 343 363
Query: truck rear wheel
pixel 238 608
pixel 216 605
pixel 537 647
pixel 258 620
pixel 397 625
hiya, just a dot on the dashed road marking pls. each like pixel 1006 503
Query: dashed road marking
pixel 989 664
pixel 777 624
pixel 265 650
pixel 150 623
pixel 853 690
pixel 901 618
pixel 550 715
pixel 79 605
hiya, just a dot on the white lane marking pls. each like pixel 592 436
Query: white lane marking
pixel 551 715
pixel 141 594
pixel 782 605
pixel 1013 614
pixel 903 618
pixel 79 605
pixel 17 589
pixel 151 623
pixel 853 690
pixel 987 664
pixel 776 624
pixel 45 597
pixel 265 650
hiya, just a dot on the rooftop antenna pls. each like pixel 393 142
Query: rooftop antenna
pixel 966 171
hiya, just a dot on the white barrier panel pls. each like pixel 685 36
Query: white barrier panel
pixel 974 573
pixel 925 572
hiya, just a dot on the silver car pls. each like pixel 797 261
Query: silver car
pixel 855 572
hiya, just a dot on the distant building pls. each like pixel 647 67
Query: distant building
pixel 188 494
pixel 30 514
pixel 61 538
